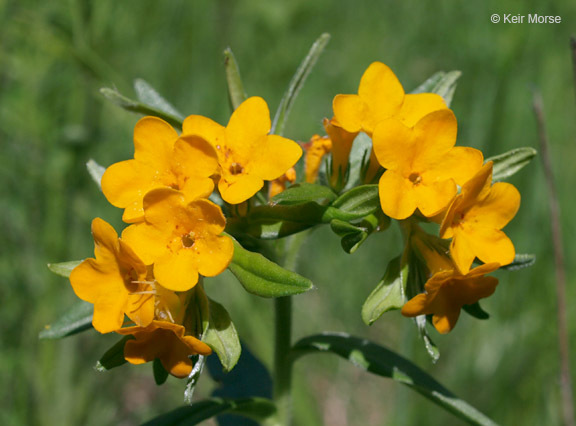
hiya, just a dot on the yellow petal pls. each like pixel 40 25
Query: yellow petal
pixel 394 146
pixel 239 189
pixel 177 271
pixel 348 111
pixel 461 251
pixel 435 135
pixel 109 310
pixel 418 105
pixel 418 305
pixel 498 208
pixel 460 163
pixel 196 346
pixel 477 188
pixel 433 197
pixel 214 255
pixel 446 321
pixel 127 181
pixel 396 195
pixel 153 142
pixel 382 94
pixel 249 122
pixel 490 245
pixel 204 127
pixel 194 156
pixel 273 158
pixel 146 240
pixel 208 217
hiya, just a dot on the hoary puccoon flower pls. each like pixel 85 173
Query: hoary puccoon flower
pixel 161 159
pixel 165 341
pixel 341 146
pixel 315 150
pixel 422 165
pixel 448 291
pixel 247 154
pixel 475 218
pixel 381 96
pixel 181 239
pixel 115 281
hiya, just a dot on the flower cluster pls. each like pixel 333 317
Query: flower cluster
pixel 140 284
pixel 425 177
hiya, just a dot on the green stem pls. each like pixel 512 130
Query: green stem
pixel 283 337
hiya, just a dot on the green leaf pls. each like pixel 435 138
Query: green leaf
pixel 76 320
pixel 296 84
pixel 359 201
pixel 114 357
pixel 264 278
pixel 236 92
pixel 388 295
pixel 147 95
pixel 64 268
pixel 258 409
pixel 96 171
pixel 303 193
pixel 134 106
pixel 441 83
pixel 193 378
pixel 160 373
pixel 521 261
pixel 222 337
pixel 507 164
pixel 476 311
pixel 383 362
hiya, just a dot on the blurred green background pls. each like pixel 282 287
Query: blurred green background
pixel 54 56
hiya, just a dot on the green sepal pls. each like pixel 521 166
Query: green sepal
pixel 147 95
pixel 302 193
pixel 381 361
pixel 113 357
pixel 222 337
pixel 520 261
pixel 138 107
pixel 476 311
pixel 255 408
pixel 389 294
pixel 262 277
pixel 160 373
pixel 64 269
pixel 442 83
pixel 96 172
pixel 509 163
pixel 236 92
pixel 76 320
pixel 297 82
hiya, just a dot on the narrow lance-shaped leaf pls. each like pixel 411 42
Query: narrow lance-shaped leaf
pixel 64 269
pixel 77 319
pixel 135 106
pixel 388 295
pixel 114 357
pixel 236 92
pixel 297 82
pixel 383 362
pixel 520 261
pixel 259 409
pixel 429 85
pixel 442 83
pixel 509 163
pixel 222 337
pixel 263 277
pixel 96 171
pixel 149 96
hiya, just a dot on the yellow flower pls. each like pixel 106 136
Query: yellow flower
pixel 341 146
pixel 181 239
pixel 448 291
pixel 247 154
pixel 114 281
pixel 316 149
pixel 475 218
pixel 161 159
pixel 381 96
pixel 432 250
pixel 165 341
pixel 279 185
pixel 423 166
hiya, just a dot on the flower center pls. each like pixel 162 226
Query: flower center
pixel 415 178
pixel 188 239
pixel 236 168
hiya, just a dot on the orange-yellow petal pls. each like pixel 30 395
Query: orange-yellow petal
pixel 249 122
pixel 194 156
pixel 490 245
pixel 435 135
pixel 214 255
pixel 460 163
pixel 395 146
pixel 432 198
pixel 418 305
pixel 240 189
pixel 177 271
pixel 416 106
pixel 397 196
pixel 153 142
pixel 273 158
pixel 461 251
pixel 348 111
pixel 204 127
pixel 498 208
